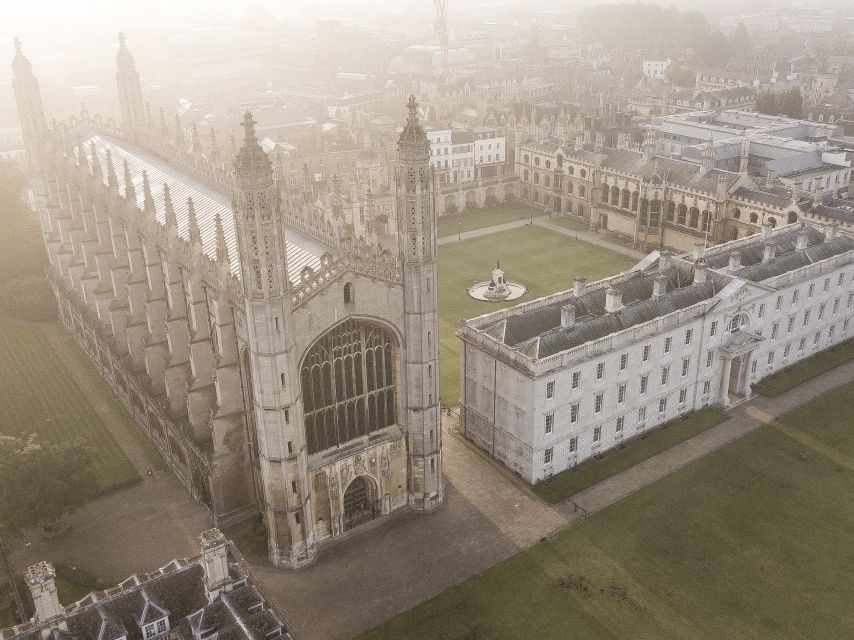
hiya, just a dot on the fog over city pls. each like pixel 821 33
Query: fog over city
pixel 429 320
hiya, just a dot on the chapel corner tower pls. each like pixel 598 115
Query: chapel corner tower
pixel 28 100
pixel 416 214
pixel 130 89
pixel 286 500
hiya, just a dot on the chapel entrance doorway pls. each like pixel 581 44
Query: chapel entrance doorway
pixel 360 503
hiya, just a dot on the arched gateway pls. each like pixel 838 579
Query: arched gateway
pixel 360 502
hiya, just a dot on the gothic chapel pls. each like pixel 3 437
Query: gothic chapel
pixel 280 371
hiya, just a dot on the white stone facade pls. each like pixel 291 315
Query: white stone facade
pixel 542 415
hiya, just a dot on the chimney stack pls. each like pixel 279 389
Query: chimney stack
pixel 817 194
pixel 567 316
pixel 41 579
pixel 766 231
pixel 734 261
pixel 770 251
pixel 770 178
pixel 613 300
pixel 659 285
pixel 830 232
pixel 700 271
pixel 699 251
pixel 665 260
pixel 796 192
pixel 215 562
pixel 579 286
pixel 803 240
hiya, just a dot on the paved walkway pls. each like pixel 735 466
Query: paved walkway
pixel 744 419
pixel 516 511
pixel 485 231
pixel 80 370
pixel 591 237
pixel 545 222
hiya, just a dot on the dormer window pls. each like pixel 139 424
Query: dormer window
pixel 156 628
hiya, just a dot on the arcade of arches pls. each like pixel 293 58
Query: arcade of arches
pixel 349 384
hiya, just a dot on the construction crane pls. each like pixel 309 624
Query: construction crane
pixel 440 29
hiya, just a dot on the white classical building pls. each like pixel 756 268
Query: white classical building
pixel 549 383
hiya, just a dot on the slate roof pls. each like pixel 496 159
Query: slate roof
pixel 239 614
pixel 787 257
pixel 678 172
pixel 774 196
pixel 593 322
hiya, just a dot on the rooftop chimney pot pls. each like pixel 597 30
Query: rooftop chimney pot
pixel 613 300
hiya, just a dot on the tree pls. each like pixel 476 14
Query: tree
pixel 41 482
pixel 681 76
pixel 739 41
pixel 713 50
pixel 788 103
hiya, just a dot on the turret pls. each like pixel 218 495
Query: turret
pixel 130 89
pixel 29 101
pixel 416 215
pixel 708 162
pixel 268 305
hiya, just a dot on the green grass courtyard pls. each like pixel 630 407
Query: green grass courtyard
pixel 542 260
pixel 752 542
pixel 40 396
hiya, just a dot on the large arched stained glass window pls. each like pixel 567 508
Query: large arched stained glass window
pixel 348 384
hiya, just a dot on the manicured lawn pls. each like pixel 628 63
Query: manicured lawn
pixel 461 222
pixel 40 396
pixel 752 542
pixel 542 260
pixel 569 223
pixel 7 618
pixel 590 472
pixel 156 460
pixel 813 366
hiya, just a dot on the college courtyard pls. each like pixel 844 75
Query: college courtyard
pixel 737 521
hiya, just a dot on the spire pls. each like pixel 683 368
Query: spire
pixel 147 199
pixel 164 129
pixel 130 88
pixel 195 233
pixel 214 147
pixel 179 130
pixel 413 144
pixel 28 99
pixel 130 192
pixel 221 247
pixel 649 144
pixel 252 166
pixel 112 179
pixel 171 218
pixel 708 162
pixel 196 142
pixel 96 163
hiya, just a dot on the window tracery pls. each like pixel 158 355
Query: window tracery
pixel 348 384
